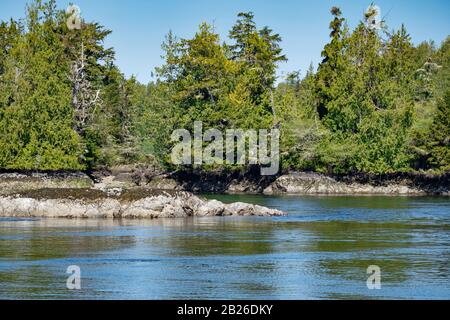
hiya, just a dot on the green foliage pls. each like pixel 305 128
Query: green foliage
pixel 36 117
pixel 376 103
pixel 364 93
pixel 224 86
pixel 440 135
pixel 155 122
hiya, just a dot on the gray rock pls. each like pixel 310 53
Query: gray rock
pixel 210 208
pixel 313 183
pixel 137 204
pixel 240 209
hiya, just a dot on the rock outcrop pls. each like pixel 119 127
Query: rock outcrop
pixel 231 182
pixel 136 203
pixel 303 183
pixel 16 182
pixel 313 183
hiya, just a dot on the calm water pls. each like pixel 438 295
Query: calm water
pixel 320 251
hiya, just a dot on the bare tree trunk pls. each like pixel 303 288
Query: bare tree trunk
pixel 85 99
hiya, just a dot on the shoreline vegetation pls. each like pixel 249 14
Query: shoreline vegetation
pixel 372 118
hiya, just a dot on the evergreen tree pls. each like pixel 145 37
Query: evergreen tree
pixel 36 121
pixel 440 135
pixel 332 61
pixel 257 53
pixel 376 103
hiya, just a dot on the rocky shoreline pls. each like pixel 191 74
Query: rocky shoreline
pixel 117 204
pixel 317 184
pixel 305 183
pixel 250 182
pixel 125 193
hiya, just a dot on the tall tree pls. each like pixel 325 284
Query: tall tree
pixel 331 64
pixel 257 52
pixel 36 123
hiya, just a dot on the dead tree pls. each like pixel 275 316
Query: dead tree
pixel 85 98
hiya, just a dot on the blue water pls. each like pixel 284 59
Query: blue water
pixel 321 250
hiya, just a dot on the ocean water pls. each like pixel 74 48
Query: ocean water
pixel 321 250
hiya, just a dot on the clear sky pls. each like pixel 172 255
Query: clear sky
pixel 139 26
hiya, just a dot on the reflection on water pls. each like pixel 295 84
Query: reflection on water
pixel 320 251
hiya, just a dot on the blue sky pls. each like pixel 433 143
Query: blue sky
pixel 139 26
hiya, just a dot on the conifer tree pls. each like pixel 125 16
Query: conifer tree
pixel 440 135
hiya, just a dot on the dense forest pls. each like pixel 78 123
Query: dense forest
pixel 376 103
